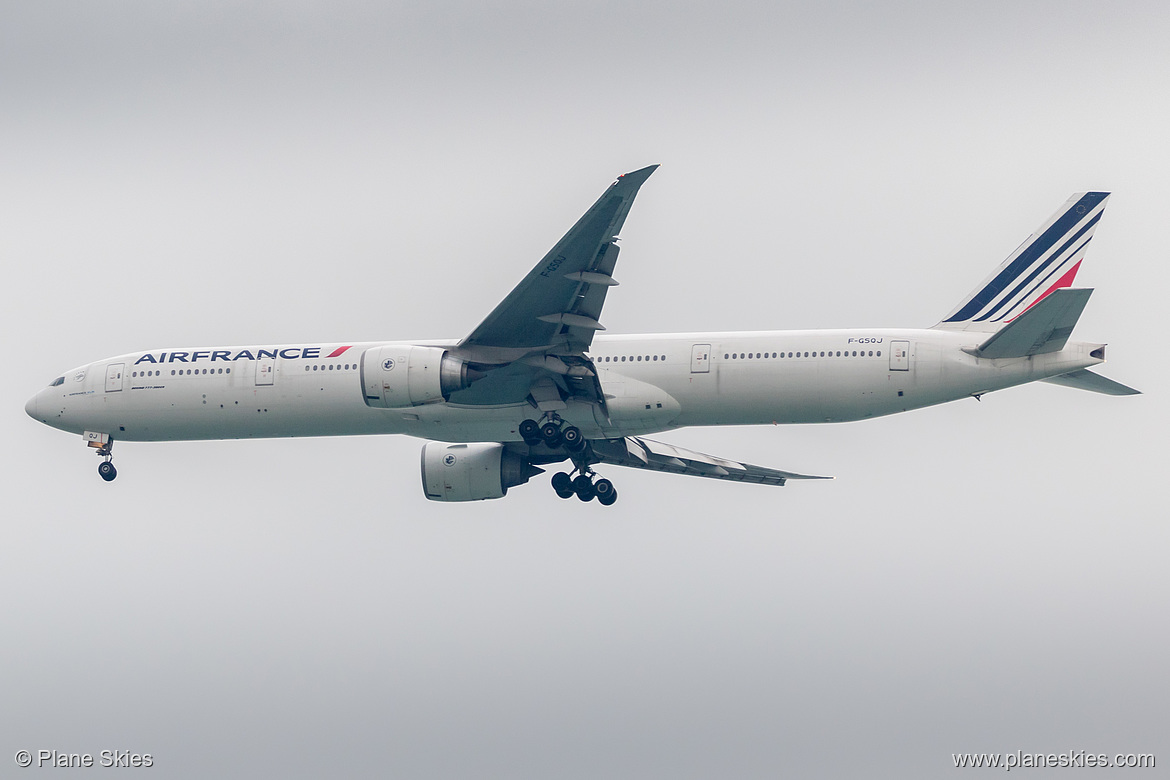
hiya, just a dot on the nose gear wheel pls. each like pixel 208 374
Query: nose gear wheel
pixel 106 468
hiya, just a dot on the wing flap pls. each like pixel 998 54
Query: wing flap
pixel 637 452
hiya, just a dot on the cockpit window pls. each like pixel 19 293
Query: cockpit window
pixel 58 381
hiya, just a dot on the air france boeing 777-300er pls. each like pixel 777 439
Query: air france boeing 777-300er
pixel 536 383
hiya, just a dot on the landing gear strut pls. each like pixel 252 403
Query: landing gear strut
pixel 106 468
pixel 554 434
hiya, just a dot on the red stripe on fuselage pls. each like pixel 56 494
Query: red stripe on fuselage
pixel 1064 281
pixel 339 350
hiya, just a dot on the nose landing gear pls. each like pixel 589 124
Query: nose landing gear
pixel 106 468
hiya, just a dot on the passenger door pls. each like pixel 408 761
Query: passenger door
pixel 265 371
pixel 701 359
pixel 899 355
pixel 114 373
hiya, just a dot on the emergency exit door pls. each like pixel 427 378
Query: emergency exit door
pixel 701 359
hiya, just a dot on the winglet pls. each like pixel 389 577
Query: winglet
pixel 637 177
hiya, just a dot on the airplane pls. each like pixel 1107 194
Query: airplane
pixel 538 383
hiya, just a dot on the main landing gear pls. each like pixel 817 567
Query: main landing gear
pixel 106 468
pixel 554 434
pixel 584 487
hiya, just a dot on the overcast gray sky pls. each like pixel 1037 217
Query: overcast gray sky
pixel 980 577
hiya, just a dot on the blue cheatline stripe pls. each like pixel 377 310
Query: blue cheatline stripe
pixel 1059 229
pixel 1044 281
pixel 1040 269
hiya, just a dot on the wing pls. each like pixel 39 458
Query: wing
pixel 556 308
pixel 533 344
pixel 639 453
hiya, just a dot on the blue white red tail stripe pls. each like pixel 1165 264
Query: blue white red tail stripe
pixel 1026 276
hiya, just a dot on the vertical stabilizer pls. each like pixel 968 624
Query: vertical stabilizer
pixel 1047 261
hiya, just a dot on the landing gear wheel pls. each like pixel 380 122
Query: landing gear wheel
pixel 551 432
pixel 606 494
pixel 583 487
pixel 562 483
pixel 572 438
pixel 107 471
pixel 530 431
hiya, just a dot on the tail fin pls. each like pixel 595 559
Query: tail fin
pixel 1048 260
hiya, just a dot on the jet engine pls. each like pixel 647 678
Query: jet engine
pixel 394 377
pixel 472 472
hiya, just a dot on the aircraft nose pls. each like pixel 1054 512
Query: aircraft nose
pixel 30 408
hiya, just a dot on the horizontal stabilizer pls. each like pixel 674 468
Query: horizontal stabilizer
pixel 1043 328
pixel 1094 383
pixel 636 452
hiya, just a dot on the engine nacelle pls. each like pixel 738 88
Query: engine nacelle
pixel 472 472
pixel 394 377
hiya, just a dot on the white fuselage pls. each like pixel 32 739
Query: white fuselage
pixel 651 382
